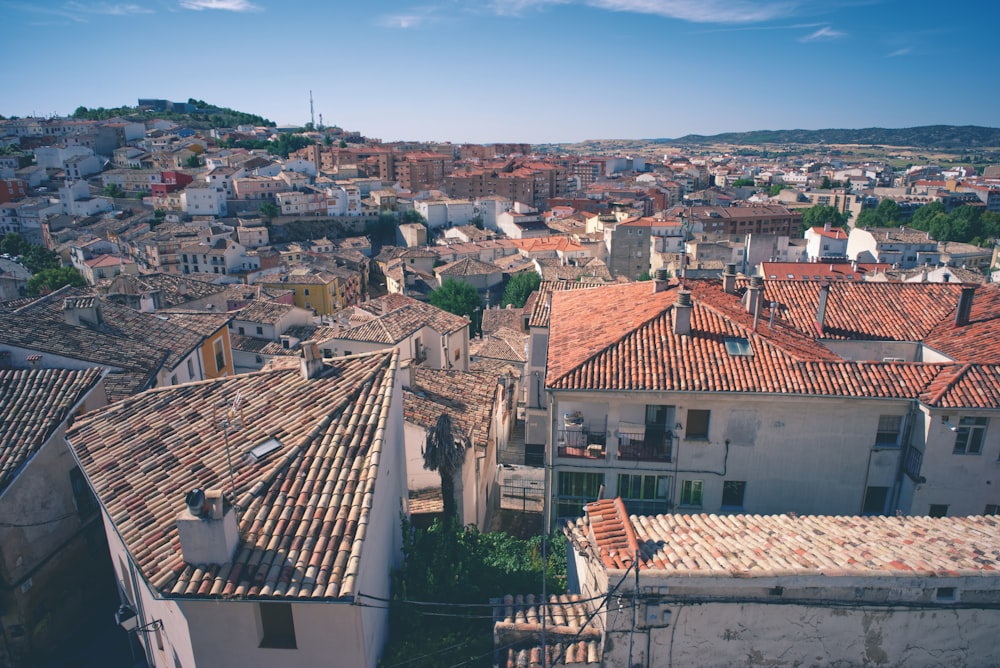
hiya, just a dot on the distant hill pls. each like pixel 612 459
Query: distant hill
pixel 206 115
pixel 958 137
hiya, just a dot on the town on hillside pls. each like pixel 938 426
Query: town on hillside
pixel 299 397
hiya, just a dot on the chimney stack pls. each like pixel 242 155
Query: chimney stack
pixel 207 528
pixel 964 310
pixel 660 282
pixel 729 278
pixel 824 295
pixel 682 313
pixel 311 363
pixel 826 227
pixel 754 298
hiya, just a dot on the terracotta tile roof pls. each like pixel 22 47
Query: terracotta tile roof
pixel 543 299
pixel 821 271
pixel 467 267
pixel 570 639
pixel 33 403
pixel 200 322
pixel 743 546
pixel 593 271
pixel 978 341
pixel 303 511
pixel 621 338
pixel 265 312
pixel 504 344
pixel 833 233
pixel 495 318
pixel 426 501
pixel 402 321
pixel 866 311
pixel 138 343
pixel 465 396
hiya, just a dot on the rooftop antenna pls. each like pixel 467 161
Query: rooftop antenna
pixel 229 418
pixel 312 117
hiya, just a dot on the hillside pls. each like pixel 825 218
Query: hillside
pixel 955 137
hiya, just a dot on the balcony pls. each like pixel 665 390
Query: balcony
pixel 646 445
pixel 581 443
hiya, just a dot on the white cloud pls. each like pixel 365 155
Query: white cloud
pixel 107 8
pixel 826 33
pixel 695 11
pixel 225 5
pixel 402 21
pixel 905 51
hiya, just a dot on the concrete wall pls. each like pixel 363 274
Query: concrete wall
pixel 808 455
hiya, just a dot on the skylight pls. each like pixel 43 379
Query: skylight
pixel 739 347
pixel 262 450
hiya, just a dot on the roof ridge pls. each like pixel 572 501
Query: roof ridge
pixel 961 370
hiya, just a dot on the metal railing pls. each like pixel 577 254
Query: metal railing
pixel 648 446
pixel 581 443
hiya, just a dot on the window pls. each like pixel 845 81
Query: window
pixel 875 498
pixel 732 493
pixel 938 510
pixel 242 331
pixel 945 594
pixel 190 366
pixel 992 509
pixel 576 489
pixel 173 379
pixel 277 626
pixel 306 291
pixel 969 438
pixel 260 331
pixel 697 424
pixel 691 491
pixel 738 347
pixel 220 355
pixel 645 487
pixel 887 435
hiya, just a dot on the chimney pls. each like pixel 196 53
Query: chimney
pixel 81 311
pixel 826 227
pixel 660 282
pixel 753 300
pixel 207 528
pixel 682 313
pixel 729 278
pixel 311 363
pixel 824 294
pixel 964 310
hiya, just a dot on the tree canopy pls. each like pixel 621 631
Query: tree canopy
pixel 966 224
pixel 884 215
pixel 520 287
pixel 457 297
pixel 49 280
pixel 820 215
pixel 448 564
pixel 34 258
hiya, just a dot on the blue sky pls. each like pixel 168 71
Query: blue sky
pixel 515 70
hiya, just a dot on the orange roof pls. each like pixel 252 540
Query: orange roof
pixel 832 233
pixel 621 338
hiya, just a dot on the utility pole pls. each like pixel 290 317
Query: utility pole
pixel 312 116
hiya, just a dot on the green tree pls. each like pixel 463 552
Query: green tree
pixel 382 229
pixel 193 162
pixel 113 190
pixel 741 183
pixel 14 244
pixel 411 216
pixel 457 297
pixel 773 191
pixel 884 215
pixel 269 210
pixel 342 144
pixel 49 280
pixel 820 215
pixel 519 288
